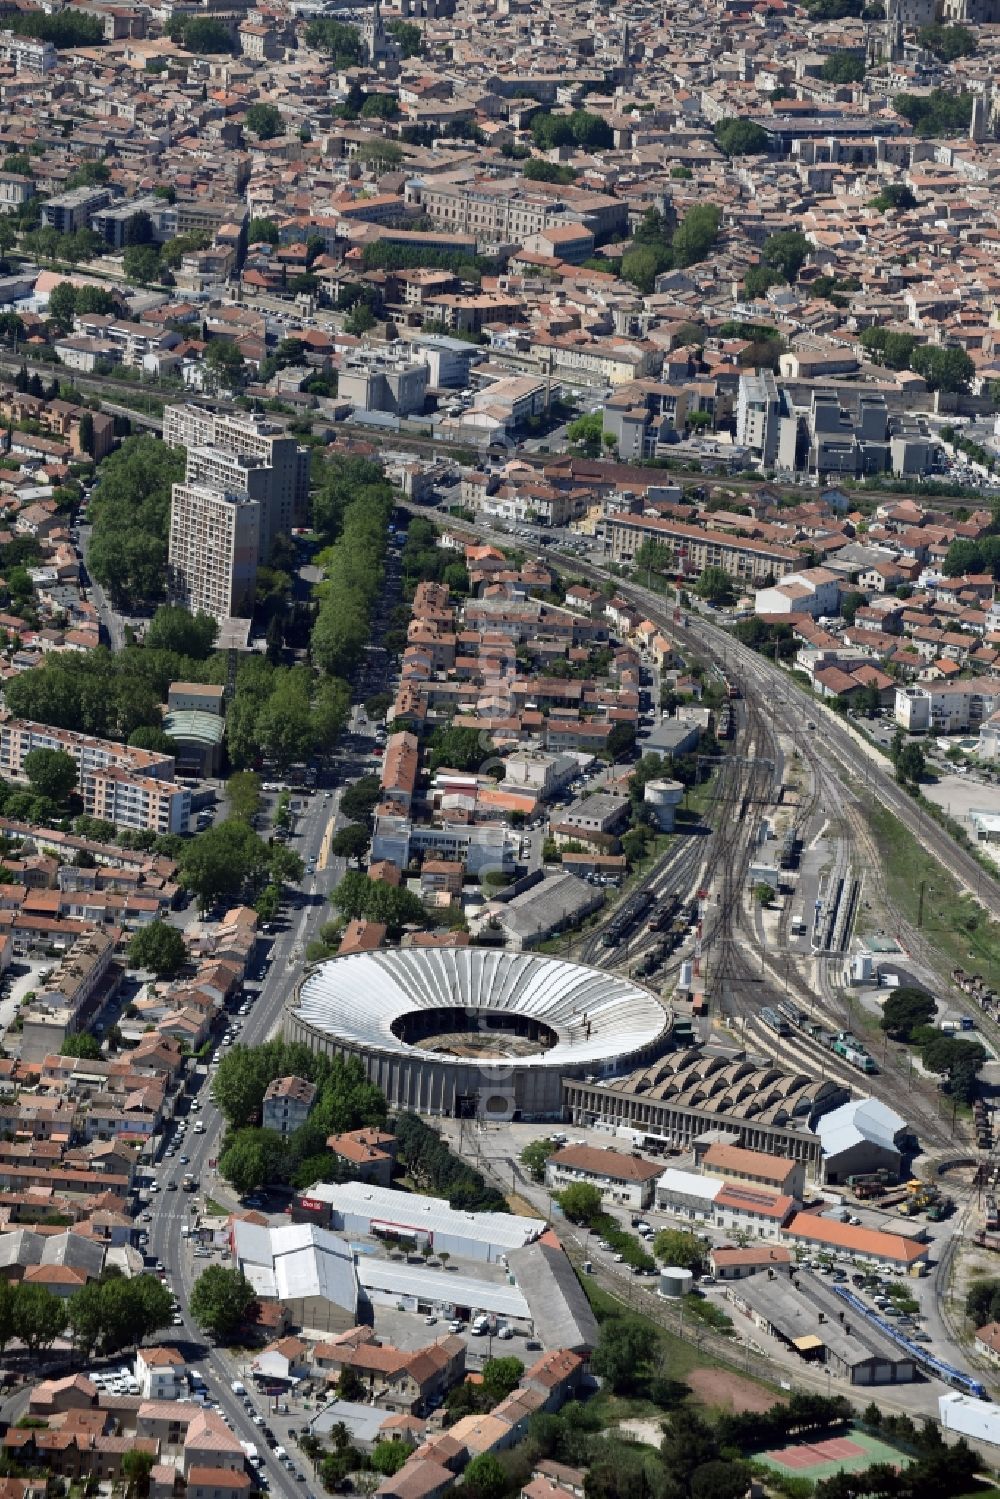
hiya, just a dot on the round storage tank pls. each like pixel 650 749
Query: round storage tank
pixel 675 1282
pixel 664 797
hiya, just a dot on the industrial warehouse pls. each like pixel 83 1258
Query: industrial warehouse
pixel 802 1312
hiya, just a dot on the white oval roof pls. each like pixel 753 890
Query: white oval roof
pixel 597 1017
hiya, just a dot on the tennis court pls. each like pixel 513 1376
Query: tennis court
pixel 844 1454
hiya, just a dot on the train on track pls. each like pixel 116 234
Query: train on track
pixel 957 1378
pixel 784 1018
pixel 625 918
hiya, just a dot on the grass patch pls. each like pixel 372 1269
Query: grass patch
pixel 966 937
pixel 680 1357
pixel 215 1209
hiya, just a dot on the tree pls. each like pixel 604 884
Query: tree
pixel 226 363
pixel 387 1457
pixel 894 195
pixel 358 897
pixel 407 38
pixel 139 229
pixel 910 765
pixel 80 1044
pixel 948 43
pixel 948 369
pixel 265 121
pixel 351 842
pixel 696 234
pixel 720 1479
pixel 843 67
pixel 39 1317
pixel 341 42
pixel 360 799
pixel 625 1348
pixel 484 1478
pixel 52 773
pixel 715 585
pixel 252 1158
pixel 937 113
pixel 500 1377
pixel 203 34
pixel 380 154
pixel 262 231
pixel 87 433
pixel 585 433
pixel 581 1202
pixel 158 947
pixel 741 138
pixel 359 320
pixel 982 1302
pixel 221 1301
pixel 243 794
pixel 905 1009
pixel 62 305
pixel 675 1246
pixel 141 263
pixel 786 253
pixel 458 749
pixel 850 603
pixel 221 860
pixel 131 517
pixel 136 1468
pixel 534 1156
pixel 173 628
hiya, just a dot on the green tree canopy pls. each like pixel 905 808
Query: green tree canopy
pixel 251 1158
pixel 948 43
pixel 158 947
pixel 581 1202
pixel 904 1010
pixel 484 1478
pixel 843 67
pixel 265 121
pixel 737 137
pixel 625 1348
pixel 786 252
pixel 534 1156
pixel 130 512
pixel 173 628
pixel 676 1246
pixel 357 896
pixel 221 1301
pixel 81 1044
pixel 52 773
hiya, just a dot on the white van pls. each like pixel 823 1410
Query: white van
pixel 237 1388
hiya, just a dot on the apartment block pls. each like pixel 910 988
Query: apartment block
pixel 250 437
pixel 213 551
pixel 696 548
pixel 19 736
pixel 131 801
pixel 758 410
pixel 71 211
pixel 133 788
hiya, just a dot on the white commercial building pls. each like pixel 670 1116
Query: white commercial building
pixel 359 1208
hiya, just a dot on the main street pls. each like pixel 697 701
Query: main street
pixel 172 1210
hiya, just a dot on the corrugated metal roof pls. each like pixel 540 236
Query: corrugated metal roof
pixel 443 1287
pixel 503 1231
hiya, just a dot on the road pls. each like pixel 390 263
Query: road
pixel 170 1209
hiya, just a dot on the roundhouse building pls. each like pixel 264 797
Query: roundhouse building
pixel 464 1031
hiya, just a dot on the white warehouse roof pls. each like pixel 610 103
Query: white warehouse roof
pixel 444 1288
pixel 403 1210
pixel 863 1119
pixel 690 1184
